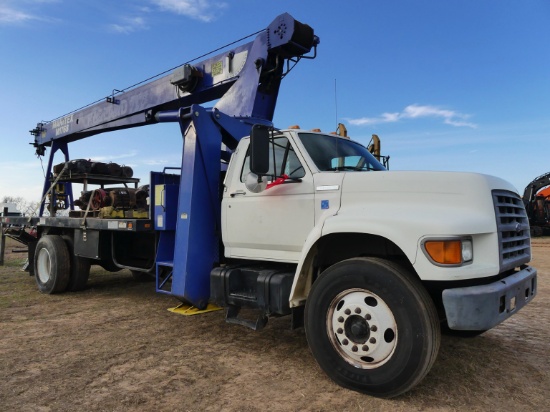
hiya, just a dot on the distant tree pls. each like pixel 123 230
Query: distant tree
pixel 11 199
pixel 32 209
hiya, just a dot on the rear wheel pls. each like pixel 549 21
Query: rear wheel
pixel 51 264
pixel 372 327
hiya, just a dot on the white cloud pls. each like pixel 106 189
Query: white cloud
pixel 11 12
pixel 20 11
pixel 112 157
pixel 383 118
pixel 129 25
pixel 459 123
pixel 10 15
pixel 203 10
pixel 155 162
pixel 415 111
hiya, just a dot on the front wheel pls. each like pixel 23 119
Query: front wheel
pixel 372 327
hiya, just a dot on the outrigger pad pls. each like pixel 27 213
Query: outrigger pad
pixel 189 310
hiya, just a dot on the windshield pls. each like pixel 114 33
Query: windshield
pixel 331 153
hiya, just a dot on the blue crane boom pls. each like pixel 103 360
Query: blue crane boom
pixel 246 81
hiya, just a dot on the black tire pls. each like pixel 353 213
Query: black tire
pixel 80 268
pixel 388 340
pixel 51 264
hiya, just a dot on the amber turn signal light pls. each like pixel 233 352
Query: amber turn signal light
pixel 445 252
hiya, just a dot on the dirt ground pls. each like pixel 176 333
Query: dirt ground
pixel 116 347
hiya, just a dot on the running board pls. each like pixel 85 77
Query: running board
pixel 232 316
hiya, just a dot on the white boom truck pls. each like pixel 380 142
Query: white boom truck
pixel 372 263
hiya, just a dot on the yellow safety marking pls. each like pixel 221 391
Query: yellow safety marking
pixel 189 310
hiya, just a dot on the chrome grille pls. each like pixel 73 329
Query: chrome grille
pixel 513 230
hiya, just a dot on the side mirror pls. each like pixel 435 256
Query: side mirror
pixel 259 150
pixel 254 184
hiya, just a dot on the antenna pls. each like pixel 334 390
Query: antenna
pixel 336 103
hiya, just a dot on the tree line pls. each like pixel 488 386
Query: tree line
pixel 24 206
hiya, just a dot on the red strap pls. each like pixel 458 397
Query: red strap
pixel 277 181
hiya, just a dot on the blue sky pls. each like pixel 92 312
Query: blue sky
pixel 447 85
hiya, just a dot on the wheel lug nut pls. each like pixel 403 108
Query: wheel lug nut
pixel 354 349
pixel 345 342
pixel 347 312
pixel 372 340
pixel 368 317
pixel 340 330
pixel 373 328
pixel 365 348
pixel 340 319
pixel 357 310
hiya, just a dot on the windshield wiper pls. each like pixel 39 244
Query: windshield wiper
pixel 338 168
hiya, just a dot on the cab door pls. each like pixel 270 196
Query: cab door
pixel 274 223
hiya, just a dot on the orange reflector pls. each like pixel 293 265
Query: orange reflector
pixel 316 130
pixel 445 252
pixel 294 127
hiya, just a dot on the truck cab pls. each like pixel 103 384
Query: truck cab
pixel 329 193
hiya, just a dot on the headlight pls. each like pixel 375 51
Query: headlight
pixel 467 251
pixel 449 252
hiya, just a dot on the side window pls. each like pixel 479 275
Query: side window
pixel 282 160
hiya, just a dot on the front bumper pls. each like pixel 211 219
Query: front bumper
pixel 485 306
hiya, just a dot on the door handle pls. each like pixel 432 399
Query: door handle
pixel 238 192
